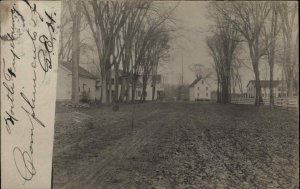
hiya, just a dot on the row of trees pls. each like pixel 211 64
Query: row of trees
pixel 130 35
pixel 269 29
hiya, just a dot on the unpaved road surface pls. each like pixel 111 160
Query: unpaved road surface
pixel 176 145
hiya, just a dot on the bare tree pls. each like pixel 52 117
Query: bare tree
pixel 288 13
pixel 66 32
pixel 201 71
pixel 123 33
pixel 65 45
pixel 222 47
pixel 149 31
pixel 156 52
pixel 76 16
pixel 106 20
pixel 270 34
pixel 236 75
pixel 137 15
pixel 215 52
pixel 248 19
pixel 197 70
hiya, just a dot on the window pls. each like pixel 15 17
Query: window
pixel 83 87
pixel 112 81
pixel 139 93
pixel 206 94
pixel 207 88
pixel 202 82
pixel 198 88
pixel 198 94
pixel 89 90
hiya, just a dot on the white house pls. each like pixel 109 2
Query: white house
pixel 265 88
pixel 89 85
pixel 122 76
pixel 159 89
pixel 199 90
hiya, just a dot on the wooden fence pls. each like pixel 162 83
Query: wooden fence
pixel 285 102
pixel 242 100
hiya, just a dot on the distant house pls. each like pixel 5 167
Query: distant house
pixel 278 89
pixel 89 84
pixel 199 90
pixel 158 93
pixel 122 81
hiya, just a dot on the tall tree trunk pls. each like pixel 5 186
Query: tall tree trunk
pixel 289 65
pixel 229 92
pixel 229 87
pixel 127 90
pixel 254 55
pixel 104 89
pixel 218 91
pixel 271 85
pixel 116 93
pixel 225 91
pixel 153 92
pixel 75 54
pixel 109 96
pixel 258 97
pixel 143 96
pixel 274 22
pixel 290 85
pixel 144 93
pixel 133 88
pixel 100 100
pixel 221 92
pixel 153 87
pixel 122 92
pixel 282 83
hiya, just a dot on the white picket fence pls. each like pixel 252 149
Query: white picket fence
pixel 285 102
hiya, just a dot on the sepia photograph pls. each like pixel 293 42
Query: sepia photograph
pixel 175 94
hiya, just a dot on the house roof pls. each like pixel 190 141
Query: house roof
pixel 81 71
pixel 265 83
pixel 195 81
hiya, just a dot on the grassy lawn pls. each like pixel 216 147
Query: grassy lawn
pixel 176 145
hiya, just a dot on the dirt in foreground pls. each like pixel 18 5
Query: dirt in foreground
pixel 176 145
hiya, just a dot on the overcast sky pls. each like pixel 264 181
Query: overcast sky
pixel 189 44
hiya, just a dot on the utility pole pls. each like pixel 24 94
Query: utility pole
pixel 181 87
pixel 282 80
pixel 180 84
pixel 181 70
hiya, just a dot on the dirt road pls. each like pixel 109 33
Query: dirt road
pixel 176 145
